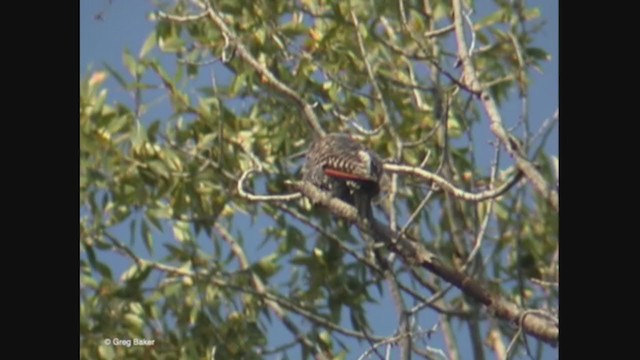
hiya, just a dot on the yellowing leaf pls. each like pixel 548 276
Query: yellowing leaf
pixel 97 78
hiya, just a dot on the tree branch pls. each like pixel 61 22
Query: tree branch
pixel 261 289
pixel 252 197
pixel 414 254
pixel 448 187
pixel 276 84
pixel 491 108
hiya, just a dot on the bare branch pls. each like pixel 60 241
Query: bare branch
pixel 545 131
pixel 438 32
pixel 251 197
pixel 179 18
pixel 416 212
pixel 448 187
pixel 467 18
pixel 354 123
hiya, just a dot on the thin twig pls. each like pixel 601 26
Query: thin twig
pixel 395 339
pixel 181 18
pixel 467 18
pixel 545 131
pixel 437 32
pixel 489 211
pixel 433 62
pixel 252 197
pixel 448 187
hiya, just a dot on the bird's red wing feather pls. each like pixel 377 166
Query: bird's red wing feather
pixel 343 175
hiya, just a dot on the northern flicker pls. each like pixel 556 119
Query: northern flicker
pixel 346 168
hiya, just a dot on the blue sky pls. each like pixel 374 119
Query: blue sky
pixel 125 24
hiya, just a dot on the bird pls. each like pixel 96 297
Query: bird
pixel 346 168
pixel 350 172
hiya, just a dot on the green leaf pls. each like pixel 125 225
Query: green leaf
pixel 106 351
pixel 171 44
pixel 293 29
pixel 207 140
pixel 91 255
pixel 267 266
pixel 104 270
pixel 151 217
pixel 192 70
pixel 132 273
pixel 206 91
pixel 130 63
pixel 136 308
pixel 538 54
pixel 147 237
pixel 159 167
pixel 164 75
pixel 532 13
pixel 163 212
pixel 133 321
pixel 153 129
pixel 442 10
pixel 148 44
pixel 490 20
pixel 238 82
pixel 325 338
pixel 260 35
pixel 182 231
pixel 132 231
pixel 116 75
pixel 501 211
pixel 118 123
pixel 179 75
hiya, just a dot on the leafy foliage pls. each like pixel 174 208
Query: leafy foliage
pixel 194 283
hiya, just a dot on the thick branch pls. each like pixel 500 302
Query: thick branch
pixel 414 254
